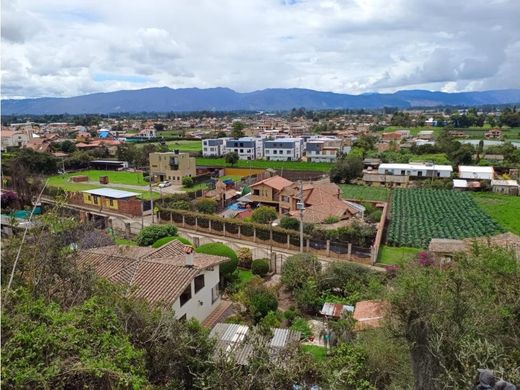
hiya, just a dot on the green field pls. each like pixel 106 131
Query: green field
pixel 185 145
pixel 505 209
pixel 351 191
pixel 319 353
pixel 418 215
pixel 263 164
pixel 396 255
pixel 114 177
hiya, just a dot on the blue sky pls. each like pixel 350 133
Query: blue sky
pixel 73 47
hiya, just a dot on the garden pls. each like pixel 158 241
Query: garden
pixel 418 215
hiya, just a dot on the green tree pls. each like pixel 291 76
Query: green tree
pixel 289 223
pixel 187 182
pixel 264 215
pixel 150 234
pixel 259 301
pixel 260 267
pixel 231 158
pixel 237 130
pixel 346 169
pixel 297 269
pixel 219 249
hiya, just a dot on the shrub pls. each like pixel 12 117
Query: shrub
pixel 165 240
pixel 298 269
pixel 271 320
pixel 206 206
pixel 308 297
pixel 290 315
pixel 260 267
pixel 351 279
pixel 150 234
pixel 301 325
pixel 181 205
pixel 331 219
pixel 187 182
pixel 245 257
pixel 264 215
pixel 219 249
pixel 259 301
pixel 290 223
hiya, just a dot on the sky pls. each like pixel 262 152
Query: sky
pixel 74 47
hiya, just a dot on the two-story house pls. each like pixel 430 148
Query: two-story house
pixel 268 191
pixel 322 149
pixel 172 166
pixel 283 149
pixel 247 148
pixel 214 147
pixel 171 275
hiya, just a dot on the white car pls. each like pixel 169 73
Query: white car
pixel 165 184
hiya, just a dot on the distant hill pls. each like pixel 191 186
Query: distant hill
pixel 224 99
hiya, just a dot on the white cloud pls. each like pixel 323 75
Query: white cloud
pixel 61 47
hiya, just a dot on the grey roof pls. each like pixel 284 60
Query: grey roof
pixel 111 193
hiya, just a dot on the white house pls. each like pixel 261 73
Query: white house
pixel 322 149
pixel 283 149
pixel 476 172
pixel 415 170
pixel 214 147
pixel 171 275
pixel 247 148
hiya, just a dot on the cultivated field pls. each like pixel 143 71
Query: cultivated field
pixel 418 215
pixel 505 209
pixel 350 191
pixel 262 164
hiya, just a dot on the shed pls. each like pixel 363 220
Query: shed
pixel 509 187
pixel 335 310
pixel 476 172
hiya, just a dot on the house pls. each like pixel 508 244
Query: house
pixel 509 187
pixel 13 139
pixel 111 200
pixel 235 341
pixel 461 184
pixel 283 149
pixel 425 134
pixel 493 133
pixel 214 147
pixel 415 170
pixel 371 163
pixel 393 136
pixel 268 191
pixel 171 276
pixel 322 149
pixel 147 133
pixel 476 172
pixel 247 148
pixel 430 122
pixel 368 314
pixel 172 166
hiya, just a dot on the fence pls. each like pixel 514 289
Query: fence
pixel 263 234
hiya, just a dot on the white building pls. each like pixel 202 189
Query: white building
pixel 247 148
pixel 476 172
pixel 415 170
pixel 214 147
pixel 323 149
pixel 187 282
pixel 283 149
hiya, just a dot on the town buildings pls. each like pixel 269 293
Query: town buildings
pixel 215 147
pixel 247 148
pixel 172 166
pixel 283 149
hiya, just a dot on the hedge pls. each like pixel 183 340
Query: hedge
pixel 219 249
pixel 260 267
pixel 150 234
pixel 165 240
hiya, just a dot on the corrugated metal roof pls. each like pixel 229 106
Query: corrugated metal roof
pixel 111 193
pixel 335 309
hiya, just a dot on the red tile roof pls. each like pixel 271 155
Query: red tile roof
pixel 369 314
pixel 276 182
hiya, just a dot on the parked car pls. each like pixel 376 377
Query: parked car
pixel 165 184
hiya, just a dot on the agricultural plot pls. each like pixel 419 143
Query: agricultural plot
pixel 351 191
pixel 418 215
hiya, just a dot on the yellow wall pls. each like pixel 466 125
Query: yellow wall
pixel 98 201
pixel 114 206
pixel 242 171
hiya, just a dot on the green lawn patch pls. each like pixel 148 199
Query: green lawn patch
pixel 124 241
pixel 505 209
pixel 317 352
pixel 263 164
pixel 114 177
pixel 396 255
pixel 185 145
pixel 351 191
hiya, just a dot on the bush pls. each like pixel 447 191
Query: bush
pixel 181 205
pixel 219 249
pixel 165 240
pixel 150 234
pixel 187 182
pixel 301 325
pixel 290 315
pixel 270 321
pixel 206 206
pixel 264 215
pixel 298 269
pixel 351 279
pixel 259 301
pixel 308 297
pixel 331 219
pixel 290 223
pixel 260 267
pixel 245 257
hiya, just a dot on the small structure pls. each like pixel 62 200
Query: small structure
pixel 493 133
pixel 368 314
pixel 233 339
pixel 476 172
pixel 443 249
pixel 109 165
pixel 109 199
pixel 335 310
pixel 509 187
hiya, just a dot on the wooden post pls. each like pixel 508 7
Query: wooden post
pixel 349 250
pixel 254 234
pixel 288 241
pixel 183 223
pixel 209 224
pixel 328 248
pixel 308 244
pixel 171 218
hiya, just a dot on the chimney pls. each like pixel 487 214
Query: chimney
pixel 188 250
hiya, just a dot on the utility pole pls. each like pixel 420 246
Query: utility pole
pixel 151 199
pixel 301 206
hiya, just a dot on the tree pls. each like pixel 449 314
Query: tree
pixel 206 206
pixel 346 169
pixel 221 134
pixel 181 205
pixel 238 130
pixel 264 215
pixel 259 301
pixel 149 234
pixel 297 269
pixel 231 158
pixel 68 146
pixel 289 223
pixel 187 182
pixel 159 126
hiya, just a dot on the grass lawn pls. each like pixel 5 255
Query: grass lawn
pixel 351 191
pixel 263 164
pixel 319 353
pixel 505 209
pixel 396 255
pixel 124 241
pixel 245 275
pixel 185 145
pixel 114 177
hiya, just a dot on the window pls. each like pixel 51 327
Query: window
pixel 419 173
pixel 186 295
pixel 402 172
pixel 199 283
pixel 256 192
pixel 215 293
pixel 111 202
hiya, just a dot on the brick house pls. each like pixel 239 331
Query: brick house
pixel 110 200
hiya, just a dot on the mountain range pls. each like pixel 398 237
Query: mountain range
pixel 224 99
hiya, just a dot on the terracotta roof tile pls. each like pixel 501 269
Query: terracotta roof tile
pixel 276 182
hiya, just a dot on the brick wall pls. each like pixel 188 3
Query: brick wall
pixel 129 206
